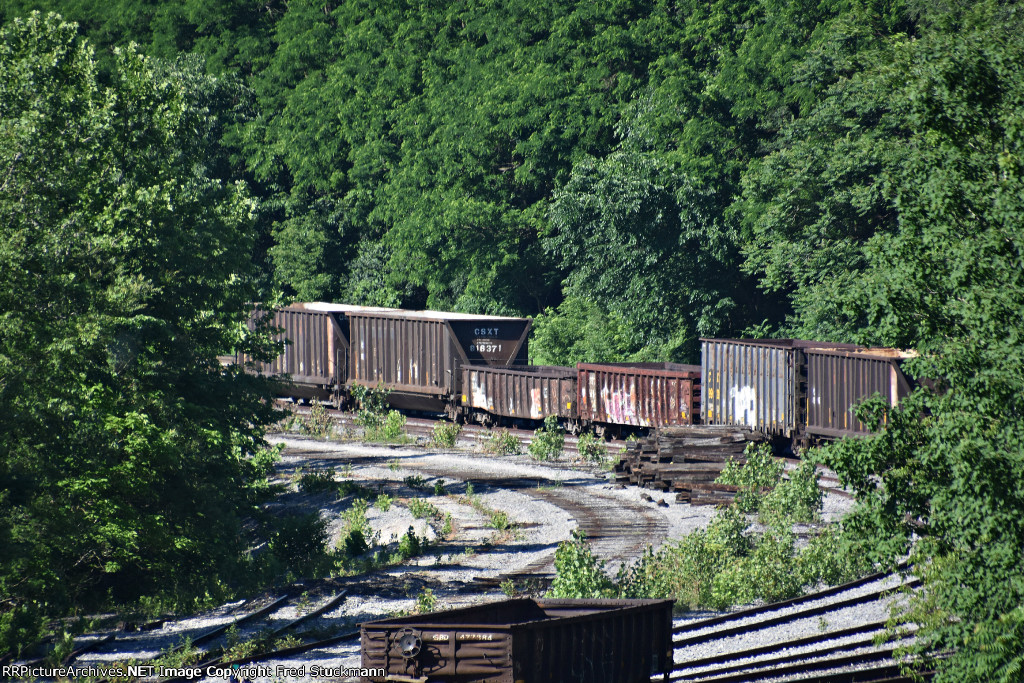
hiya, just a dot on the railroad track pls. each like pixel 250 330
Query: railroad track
pixel 470 435
pixel 837 635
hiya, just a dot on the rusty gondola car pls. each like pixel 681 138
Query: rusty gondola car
pixel 531 393
pixel 525 641
pixel 638 394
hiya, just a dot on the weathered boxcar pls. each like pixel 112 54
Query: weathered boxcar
pixel 838 380
pixel 756 383
pixel 530 392
pixel 638 394
pixel 525 641
pixel 793 387
pixel 418 355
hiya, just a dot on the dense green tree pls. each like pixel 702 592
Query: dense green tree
pixel 893 213
pixel 128 452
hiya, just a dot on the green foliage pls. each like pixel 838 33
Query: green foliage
pixel 126 268
pixel 548 441
pixel 579 573
pixel 423 509
pixel 299 541
pixel 383 502
pixel 426 601
pixel 410 545
pixel 439 489
pixel 445 434
pixel 591 447
pixel 502 442
pixel 317 422
pixel 416 482
pixel 319 481
pixel 732 562
pixel 378 423
pixel 760 471
pixel 357 534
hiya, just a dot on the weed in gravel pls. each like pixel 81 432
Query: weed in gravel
pixel 410 545
pixel 187 654
pixel 508 587
pixel 439 489
pixel 423 509
pixel 383 502
pixel 579 573
pixel 445 434
pixel 591 447
pixel 318 481
pixel 357 534
pixel 548 441
pixel 415 482
pixel 502 442
pixel 446 528
pixel 317 422
pixel 394 465
pixel 426 601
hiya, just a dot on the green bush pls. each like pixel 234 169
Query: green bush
pixel 357 535
pixel 579 573
pixel 318 481
pixel 548 441
pixel 502 442
pixel 761 471
pixel 591 447
pixel 316 422
pixel 383 502
pixel 299 541
pixel 378 423
pixel 445 434
pixel 423 509
pixel 410 545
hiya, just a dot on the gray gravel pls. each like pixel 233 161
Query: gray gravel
pixel 474 550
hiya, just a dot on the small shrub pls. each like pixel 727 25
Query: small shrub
pixel 383 502
pixel 409 545
pixel 426 601
pixel 316 422
pixel 423 509
pixel 499 520
pixel 357 534
pixel 508 587
pixel 378 423
pixel 299 541
pixel 446 528
pixel 548 441
pixel 445 434
pixel 579 573
pixel 502 442
pixel 415 482
pixel 394 465
pixel 591 447
pixel 760 472
pixel 439 489
pixel 318 481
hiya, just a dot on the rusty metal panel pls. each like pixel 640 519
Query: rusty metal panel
pixel 315 354
pixel 526 392
pixel 641 394
pixel 528 641
pixel 838 380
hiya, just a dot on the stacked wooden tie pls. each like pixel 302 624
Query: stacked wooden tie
pixel 687 460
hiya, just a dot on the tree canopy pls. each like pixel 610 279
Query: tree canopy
pixel 636 174
pixel 125 269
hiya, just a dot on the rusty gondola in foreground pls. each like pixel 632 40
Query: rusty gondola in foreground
pixel 525 641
